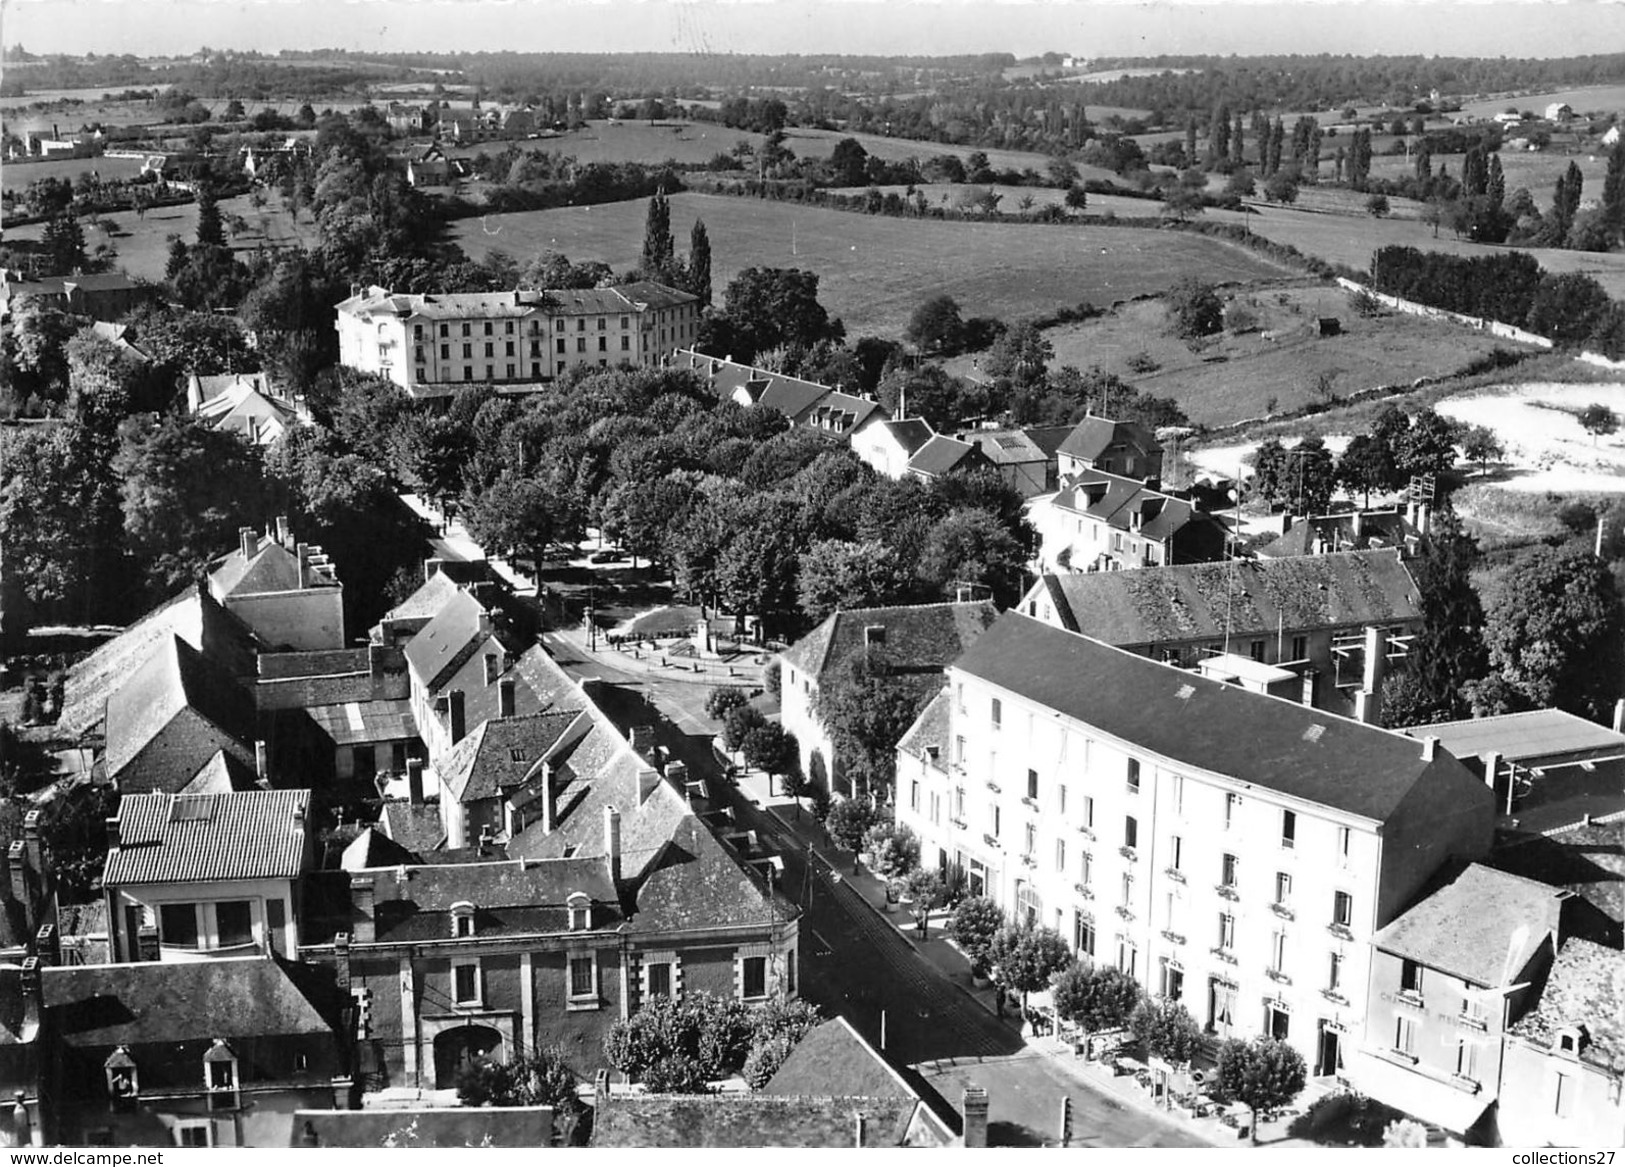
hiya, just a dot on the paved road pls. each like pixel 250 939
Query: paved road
pixel 856 965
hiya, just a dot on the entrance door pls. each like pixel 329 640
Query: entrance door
pixel 457 1049
pixel 1328 1058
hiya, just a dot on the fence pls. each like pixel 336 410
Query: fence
pixel 1587 821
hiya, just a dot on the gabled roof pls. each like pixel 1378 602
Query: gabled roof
pixel 174 678
pixel 1048 438
pixel 1479 924
pixel 910 433
pixel 200 838
pixel 501 754
pixel 373 848
pixel 1585 988
pixel 1115 500
pixel 1093 436
pixel 1200 600
pixel 510 897
pixel 749 1120
pixel 930 728
pixel 221 774
pixel 209 386
pixel 448 640
pixel 427 601
pixel 841 413
pixel 698 882
pixel 416 827
pixel 1208 725
pixel 1007 447
pixel 942 455
pixel 272 568
pixel 834 1055
pixel 791 396
pixel 1387 528
pixel 174 1002
pixel 193 615
pixel 917 637
pixel 258 417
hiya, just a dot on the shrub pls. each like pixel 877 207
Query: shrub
pixel 723 698
pixel 764 1061
pixel 1405 1132
pixel 544 1079
pixel 894 850
pixel 1143 362
pixel 1194 308
pixel 849 822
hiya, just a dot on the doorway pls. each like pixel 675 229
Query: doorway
pixel 1328 1055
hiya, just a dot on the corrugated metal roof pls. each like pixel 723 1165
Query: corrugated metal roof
pixel 193 838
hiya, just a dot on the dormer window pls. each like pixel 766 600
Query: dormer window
pixel 123 1081
pixel 220 1076
pixel 1573 1040
pixel 580 907
pixel 462 920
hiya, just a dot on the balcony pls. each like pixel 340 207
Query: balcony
pixel 1468 1021
pixel 1125 911
pixel 1283 911
pixel 1223 953
pixel 960 823
pixel 1278 976
pixel 1465 1082
pixel 1334 996
pixel 993 842
pixel 1227 891
pixel 1086 832
pixel 1411 997
pixel 1341 931
pixel 1083 890
pixel 993 786
pixel 1128 853
pixel 1172 937
pixel 1174 874
pixel 1031 803
pixel 1029 860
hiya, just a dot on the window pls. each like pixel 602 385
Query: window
pixel 1134 775
pixel 1230 801
pixel 1343 845
pixel 1176 852
pixel 753 976
pixel 1131 831
pixel 507 327
pixel 1032 784
pixel 1300 648
pixel 1083 935
pixel 490 349
pixel 1086 868
pixel 1334 972
pixel 601 324
pixel 998 820
pixel 1342 909
pixel 1060 855
pixel 1128 956
pixel 581 344
pixel 580 907
pixel 1089 810
pixel 465 982
pixel 508 349
pixel 997 713
pixel 234 923
pixel 1128 890
pixel 194 1132
pixel 561 344
pixel 418 354
pixel 1228 867
pixel 583 977
pixel 177 925
pixel 1404 1035
pixel 936 807
pixel 959 691
pixel 468 352
pixel 626 344
pixel 467 328
pixel 468 372
pixel 445 352
pixel 1177 793
pixel 445 330
pixel 914 796
pixel 1278 952
pixel 625 322
pixel 510 370
pixel 659 978
pixel 603 344
pixel 1227 930
pixel 1029 839
pixel 1289 829
pixel 1467 1058
pixel 959 749
pixel 581 325
pixel 1410 977
pixel 1283 888
pixel 1173 982
pixel 959 803
pixel 558 323
pixel 463 924
pixel 1060 798
pixel 487 328
pixel 1257 650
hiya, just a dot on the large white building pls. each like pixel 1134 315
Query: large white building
pixel 432 344
pixel 1231 850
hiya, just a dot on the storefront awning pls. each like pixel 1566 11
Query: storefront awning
pixel 1419 1095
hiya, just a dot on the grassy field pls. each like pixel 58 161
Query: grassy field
pixel 681 142
pixel 17 175
pixel 1603 99
pixel 875 270
pixel 143 244
pixel 1238 376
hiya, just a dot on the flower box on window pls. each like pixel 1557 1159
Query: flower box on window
pixel 1128 853
pixel 1174 874
pixel 1223 954
pixel 1283 911
pixel 1227 890
pixel 1083 890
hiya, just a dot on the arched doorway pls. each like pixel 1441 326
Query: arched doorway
pixel 458 1048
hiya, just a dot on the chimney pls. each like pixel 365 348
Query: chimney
pixel 1619 715
pixel 459 722
pixel 485 623
pixel 974 1105
pixel 341 962
pixel 248 541
pixel 642 739
pixel 648 779
pixel 548 809
pixel 361 902
pixel 282 530
pixel 414 781
pixel 1430 746
pixel 487 840
pixel 1376 658
pixel 612 841
pixel 33 994
pixel 17 861
pixel 492 671
pixel 34 846
pixel 505 698
pixel 431 568
pixel 48 945
pixel 262 759
pixel 859 1128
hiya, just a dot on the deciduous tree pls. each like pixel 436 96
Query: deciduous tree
pixel 1263 1073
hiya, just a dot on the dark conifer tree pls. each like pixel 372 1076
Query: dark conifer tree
pixel 658 248
pixel 699 263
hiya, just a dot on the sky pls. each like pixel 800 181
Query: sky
pixel 1088 28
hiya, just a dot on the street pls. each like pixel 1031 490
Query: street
pixel 856 965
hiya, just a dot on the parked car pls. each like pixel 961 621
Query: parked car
pixel 607 556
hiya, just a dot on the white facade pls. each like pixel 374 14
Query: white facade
pixel 1251 908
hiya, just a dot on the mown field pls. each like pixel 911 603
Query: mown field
pixel 17 175
pixel 661 141
pixel 1596 98
pixel 875 270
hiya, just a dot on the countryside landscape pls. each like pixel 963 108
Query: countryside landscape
pixel 595 496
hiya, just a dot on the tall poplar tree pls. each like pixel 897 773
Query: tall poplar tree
pixel 658 248
pixel 699 263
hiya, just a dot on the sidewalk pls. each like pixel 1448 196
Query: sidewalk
pixel 665 666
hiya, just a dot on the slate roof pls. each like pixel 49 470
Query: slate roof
pixel 221 774
pixel 193 615
pixel 448 640
pixel 355 722
pixel 1196 601
pixel 172 1002
pixel 698 882
pixel 424 603
pixel 918 638
pixel 173 678
pixel 373 848
pixel 510 897
pixel 529 1127
pixel 417 828
pixel 1523 737
pixel 748 1120
pixel 1092 436
pixel 1381 528
pixel 930 728
pixel 212 385
pixel 272 568
pixel 790 395
pixel 1048 437
pixel 942 455
pixel 1586 987
pixel 909 432
pixel 197 838
pixel 648 294
pixel 1114 500
pixel 501 754
pixel 841 413
pixel 1007 447
pixel 1467 924
pixel 1190 720
pixel 834 1055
